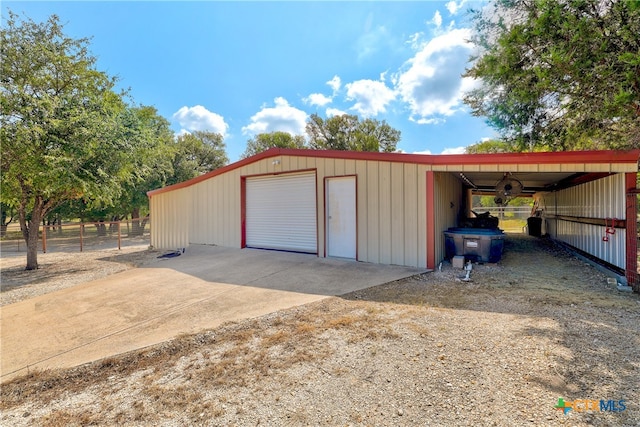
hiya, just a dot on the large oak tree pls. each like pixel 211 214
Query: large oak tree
pixel 348 132
pixel 559 74
pixel 60 124
pixel 278 139
pixel 195 154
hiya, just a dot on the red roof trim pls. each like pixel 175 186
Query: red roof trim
pixel 560 157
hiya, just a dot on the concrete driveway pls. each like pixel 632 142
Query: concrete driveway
pixel 200 289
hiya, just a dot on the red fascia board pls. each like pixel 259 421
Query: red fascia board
pixel 559 157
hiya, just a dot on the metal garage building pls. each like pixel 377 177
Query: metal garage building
pixel 392 208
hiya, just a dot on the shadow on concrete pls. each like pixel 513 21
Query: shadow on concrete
pixel 279 270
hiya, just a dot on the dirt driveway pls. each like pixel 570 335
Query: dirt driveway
pixel 202 288
pixel 427 350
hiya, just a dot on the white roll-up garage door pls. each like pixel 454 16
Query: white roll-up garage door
pixel 281 212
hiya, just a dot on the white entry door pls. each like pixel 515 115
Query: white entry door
pixel 341 217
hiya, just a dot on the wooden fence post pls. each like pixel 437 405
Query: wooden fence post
pixel 44 238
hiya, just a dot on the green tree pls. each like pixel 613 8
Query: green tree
pixel 195 154
pixel 152 155
pixel 347 132
pixel 7 215
pixel 559 75
pixel 59 116
pixel 491 146
pixel 264 141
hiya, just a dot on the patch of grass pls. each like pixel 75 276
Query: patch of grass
pixel 340 322
pixel 173 398
pixel 419 329
pixel 513 225
pixel 305 329
pixel 64 418
pixel 276 338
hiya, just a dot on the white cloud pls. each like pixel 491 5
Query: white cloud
pixel 317 99
pixel 431 82
pixel 335 84
pixel 454 7
pixel 199 118
pixel 454 150
pixel 331 112
pixel 432 121
pixel 423 152
pixel 437 19
pixel 415 40
pixel 371 96
pixel 282 117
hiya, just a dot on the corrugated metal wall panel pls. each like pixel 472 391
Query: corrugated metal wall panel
pixel 422 215
pixel 397 214
pixel 602 198
pixel 170 220
pixel 448 197
pixel 281 212
pixel 362 204
pixel 384 187
pixel 410 212
pixel 373 212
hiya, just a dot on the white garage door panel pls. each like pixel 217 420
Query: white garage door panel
pixel 281 213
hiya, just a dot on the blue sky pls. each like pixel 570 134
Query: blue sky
pixel 241 68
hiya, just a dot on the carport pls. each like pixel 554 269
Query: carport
pixel 584 200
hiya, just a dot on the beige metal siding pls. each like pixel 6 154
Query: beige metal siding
pixel 170 222
pixel 603 198
pixel 410 203
pixel 384 198
pixel 397 214
pixel 372 193
pixel 215 211
pixel 448 199
pixel 558 167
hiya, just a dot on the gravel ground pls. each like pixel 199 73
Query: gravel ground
pixel 62 269
pixel 428 350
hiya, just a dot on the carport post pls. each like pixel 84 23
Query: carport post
pixel 631 267
pixel 431 221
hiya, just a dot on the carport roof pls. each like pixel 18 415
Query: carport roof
pixel 544 168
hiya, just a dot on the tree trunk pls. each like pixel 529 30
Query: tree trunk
pixel 144 224
pixel 102 228
pixel 32 246
pixel 30 232
pixel 135 223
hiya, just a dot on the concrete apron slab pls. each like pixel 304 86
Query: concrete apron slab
pixel 200 289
